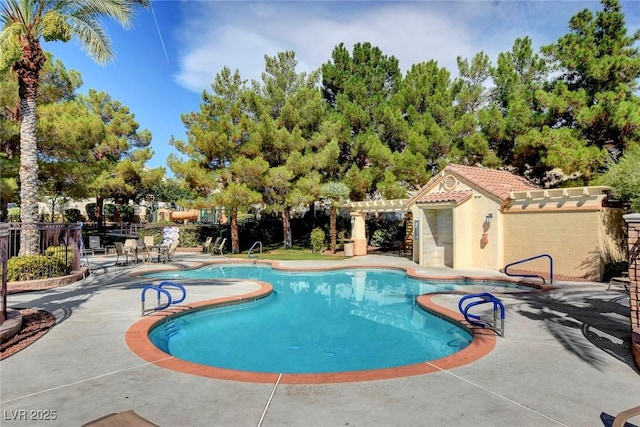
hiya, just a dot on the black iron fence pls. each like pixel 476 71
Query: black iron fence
pixel 62 239
pixel 4 256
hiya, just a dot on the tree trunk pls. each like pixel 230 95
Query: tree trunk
pixel 4 211
pixel 235 239
pixel 286 228
pixel 53 209
pixel 99 206
pixel 28 71
pixel 332 229
pixel 29 236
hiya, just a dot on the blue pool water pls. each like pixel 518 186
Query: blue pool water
pixel 315 322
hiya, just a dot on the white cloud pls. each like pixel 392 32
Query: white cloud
pixel 239 34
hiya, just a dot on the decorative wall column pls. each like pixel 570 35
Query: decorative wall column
pixel 633 236
pixel 359 233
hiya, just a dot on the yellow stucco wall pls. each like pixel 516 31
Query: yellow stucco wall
pixel 572 238
pixel 474 252
pixel 452 235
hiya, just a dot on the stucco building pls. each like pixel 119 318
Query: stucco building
pixel 473 217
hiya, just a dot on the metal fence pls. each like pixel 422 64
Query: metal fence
pixel 4 256
pixel 43 236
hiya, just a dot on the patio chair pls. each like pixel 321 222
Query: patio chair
pixel 95 246
pixel 208 248
pixel 144 249
pixel 131 247
pixel 167 252
pixel 149 240
pixel 219 249
pixel 121 252
pixel 624 416
pixel 620 281
pixel 207 244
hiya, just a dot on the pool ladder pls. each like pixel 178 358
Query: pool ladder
pixel 250 252
pixel 474 319
pixel 160 290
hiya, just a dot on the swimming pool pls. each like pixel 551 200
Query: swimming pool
pixel 316 322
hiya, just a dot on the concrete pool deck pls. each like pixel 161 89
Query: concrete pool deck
pixel 565 360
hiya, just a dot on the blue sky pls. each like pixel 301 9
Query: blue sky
pixel 177 47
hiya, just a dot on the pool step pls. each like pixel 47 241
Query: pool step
pixel 171 328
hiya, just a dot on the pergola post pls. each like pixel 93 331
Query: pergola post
pixel 358 233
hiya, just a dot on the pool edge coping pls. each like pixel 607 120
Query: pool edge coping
pixel 483 342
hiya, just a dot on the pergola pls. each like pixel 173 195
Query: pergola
pixel 376 206
pixel 359 211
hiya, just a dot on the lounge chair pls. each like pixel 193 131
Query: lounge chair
pixel 121 252
pixel 219 249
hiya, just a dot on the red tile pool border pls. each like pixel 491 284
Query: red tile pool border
pixel 137 338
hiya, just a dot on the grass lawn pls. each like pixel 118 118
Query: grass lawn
pixel 293 254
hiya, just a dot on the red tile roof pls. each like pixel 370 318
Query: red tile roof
pixel 496 182
pixel 450 196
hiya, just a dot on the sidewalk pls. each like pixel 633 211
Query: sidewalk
pixel 565 360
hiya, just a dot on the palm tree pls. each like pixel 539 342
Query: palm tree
pixel 336 193
pixel 24 23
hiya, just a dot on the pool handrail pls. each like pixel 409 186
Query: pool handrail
pixel 159 291
pixel 476 320
pixel 175 285
pixel 485 295
pixel 506 268
pixel 259 243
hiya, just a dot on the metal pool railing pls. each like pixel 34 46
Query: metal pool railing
pixel 474 319
pixel 506 268
pixel 160 290
pixel 249 253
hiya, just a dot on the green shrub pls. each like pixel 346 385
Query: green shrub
pixel 33 267
pixel 317 240
pixel 92 211
pixel 61 252
pixel 13 212
pixel 109 211
pixel 126 213
pixel 383 233
pixel 72 215
pixel 190 237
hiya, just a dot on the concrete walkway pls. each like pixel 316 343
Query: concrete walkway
pixel 565 360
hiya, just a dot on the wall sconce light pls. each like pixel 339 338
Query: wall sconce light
pixel 488 218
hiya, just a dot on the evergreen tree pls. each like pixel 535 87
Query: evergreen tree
pixel 518 76
pixel 596 91
pixel 218 167
pixel 290 111
pixel 360 88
